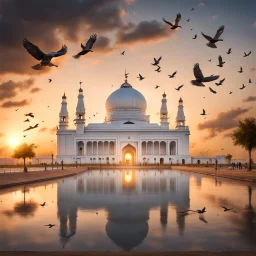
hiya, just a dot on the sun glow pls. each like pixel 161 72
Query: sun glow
pixel 128 176
pixel 13 142
pixel 128 157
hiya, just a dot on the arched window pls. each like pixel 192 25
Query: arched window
pixel 80 148
pixel 156 148
pixel 100 148
pixel 111 148
pixel 173 148
pixel 94 146
pixel 144 148
pixel 89 148
pixel 162 148
pixel 106 148
pixel 150 148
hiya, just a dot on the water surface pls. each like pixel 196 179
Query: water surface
pixel 129 210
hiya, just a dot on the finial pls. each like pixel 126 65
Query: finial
pixel 180 100
pixel 126 76
pixel 64 96
pixel 164 95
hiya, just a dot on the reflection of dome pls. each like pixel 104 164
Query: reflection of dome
pixel 126 98
pixel 127 235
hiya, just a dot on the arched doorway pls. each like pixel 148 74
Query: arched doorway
pixel 161 161
pixel 129 154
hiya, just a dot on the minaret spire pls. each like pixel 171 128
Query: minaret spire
pixel 164 113
pixel 180 119
pixel 80 112
pixel 63 123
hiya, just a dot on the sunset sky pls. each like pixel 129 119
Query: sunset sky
pixel 136 27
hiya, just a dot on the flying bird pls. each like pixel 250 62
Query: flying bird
pixel 140 77
pixel 88 47
pixel 27 120
pixel 188 20
pixel 50 225
pixel 173 74
pixel 45 58
pixel 122 53
pixel 201 211
pixel 250 81
pixel 247 54
pixel 179 87
pixel 17 109
pixel 31 127
pixel 30 114
pixel 195 37
pixel 50 80
pixel 212 41
pixel 176 24
pixel 210 60
pixel 229 51
pixel 220 82
pixel 230 92
pixel 203 114
pixel 226 209
pixel 200 77
pixel 158 69
pixel 157 86
pixel 156 61
pixel 242 87
pixel 211 90
pixel 192 9
pixel 43 204
pixel 221 62
pixel 241 70
pixel 24 136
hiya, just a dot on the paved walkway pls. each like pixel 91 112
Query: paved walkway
pixel 13 179
pixel 242 175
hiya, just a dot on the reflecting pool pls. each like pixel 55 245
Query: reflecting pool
pixel 116 210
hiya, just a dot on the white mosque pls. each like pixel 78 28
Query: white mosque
pixel 126 136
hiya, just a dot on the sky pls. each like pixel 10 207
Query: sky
pixel 136 27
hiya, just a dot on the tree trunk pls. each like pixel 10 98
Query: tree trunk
pixel 25 168
pixel 250 160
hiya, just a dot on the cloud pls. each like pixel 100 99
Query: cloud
pixel 224 121
pixel 103 44
pixel 36 89
pixel 253 69
pixel 201 4
pixel 254 24
pixel 12 104
pixel 10 88
pixel 249 99
pixel 227 135
pixel 49 24
pixel 145 31
pixel 53 130
pixel 43 129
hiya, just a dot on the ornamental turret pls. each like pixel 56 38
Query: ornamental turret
pixel 80 113
pixel 63 122
pixel 180 119
pixel 164 119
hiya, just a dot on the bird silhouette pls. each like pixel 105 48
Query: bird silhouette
pixel 230 92
pixel 176 24
pixel 30 114
pixel 212 41
pixel 195 37
pixel 173 74
pixel 45 58
pixel 50 80
pixel 88 47
pixel 242 87
pixel 192 9
pixel 17 109
pixel 140 77
pixel 201 211
pixel 211 90
pixel 241 70
pixel 226 209
pixel 50 225
pixel 188 20
pixel 250 81
pixel 210 60
pixel 220 62
pixel 157 86
pixel 24 136
pixel 247 54
pixel 179 87
pixel 43 204
pixel 156 61
pixel 200 77
pixel 27 120
pixel 31 127
pixel 220 82
pixel 204 113
pixel 229 51
pixel 122 53
pixel 158 69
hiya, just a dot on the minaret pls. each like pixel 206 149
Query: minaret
pixel 164 113
pixel 80 113
pixel 180 119
pixel 63 123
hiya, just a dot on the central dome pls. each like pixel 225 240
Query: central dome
pixel 126 98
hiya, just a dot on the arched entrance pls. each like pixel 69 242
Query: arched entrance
pixel 161 161
pixel 129 154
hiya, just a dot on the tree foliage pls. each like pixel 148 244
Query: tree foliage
pixel 228 157
pixel 245 136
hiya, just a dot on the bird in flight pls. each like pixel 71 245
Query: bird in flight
pixel 24 136
pixel 242 87
pixel 195 37
pixel 158 69
pixel 212 41
pixel 241 70
pixel 43 204
pixel 157 86
pixel 226 209
pixel 45 58
pixel 88 47
pixel 188 20
pixel 122 53
pixel 140 77
pixel 229 51
pixel 247 54
pixel 192 9
pixel 50 80
pixel 211 90
pixel 17 109
pixel 201 211
pixel 221 62
pixel 250 81
pixel 176 24
pixel 200 77
pixel 156 61
pixel 30 114
pixel 31 127
pixel 179 87
pixel 50 225
pixel 220 82
pixel 203 114
pixel 210 60
pixel 230 92
pixel 27 120
pixel 173 74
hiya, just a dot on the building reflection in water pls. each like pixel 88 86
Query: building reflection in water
pixel 127 196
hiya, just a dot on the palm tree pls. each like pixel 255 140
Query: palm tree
pixel 245 136
pixel 24 151
pixel 228 157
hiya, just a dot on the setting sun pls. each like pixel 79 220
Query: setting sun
pixel 13 142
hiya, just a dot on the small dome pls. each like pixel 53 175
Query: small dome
pixel 164 95
pixel 80 90
pixel 126 98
